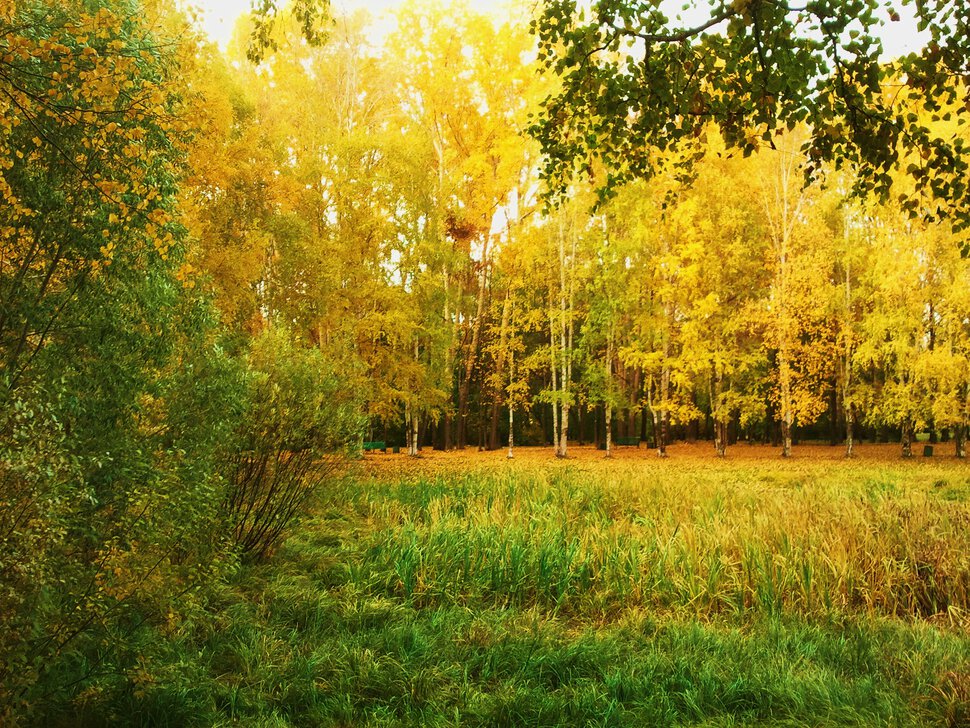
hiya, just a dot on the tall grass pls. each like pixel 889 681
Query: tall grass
pixel 701 541
pixel 585 594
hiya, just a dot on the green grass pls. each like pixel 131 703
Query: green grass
pixel 589 594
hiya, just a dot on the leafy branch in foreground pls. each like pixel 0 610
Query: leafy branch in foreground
pixel 638 86
pixel 267 14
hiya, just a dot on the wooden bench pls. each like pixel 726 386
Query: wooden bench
pixel 627 441
pixel 376 445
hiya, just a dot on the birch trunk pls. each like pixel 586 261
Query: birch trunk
pixel 566 334
pixel 449 364
pixel 437 138
pixel 471 354
pixel 411 417
pixel 511 406
pixel 555 379
pixel 720 415
pixel 664 406
pixel 415 440
pixel 563 383
pixel 655 414
pixel 609 391
pixel 786 410
pixel 850 431
pixel 499 373
pixel 848 407
pixel 960 431
pixel 407 427
pixel 783 214
pixel 668 323
pixel 784 363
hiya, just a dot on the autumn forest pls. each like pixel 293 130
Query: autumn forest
pixel 394 215
pixel 553 364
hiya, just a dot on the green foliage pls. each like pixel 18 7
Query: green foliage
pixel 299 424
pixel 310 15
pixel 639 87
pixel 39 485
pixel 119 459
pixel 115 400
pixel 87 170
pixel 407 601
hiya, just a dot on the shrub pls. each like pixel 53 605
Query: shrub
pixel 300 424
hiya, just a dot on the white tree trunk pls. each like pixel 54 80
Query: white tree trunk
pixel 511 405
pixel 555 378
pixel 608 399
pixel 783 212
pixel 847 406
pixel 566 335
pixel 849 435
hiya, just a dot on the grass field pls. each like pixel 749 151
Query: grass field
pixel 464 589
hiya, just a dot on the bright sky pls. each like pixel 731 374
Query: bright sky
pixel 219 16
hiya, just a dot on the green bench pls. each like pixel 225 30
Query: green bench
pixel 627 441
pixel 376 445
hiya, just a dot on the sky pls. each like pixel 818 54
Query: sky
pixel 219 16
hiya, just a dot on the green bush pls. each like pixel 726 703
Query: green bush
pixel 115 400
pixel 300 424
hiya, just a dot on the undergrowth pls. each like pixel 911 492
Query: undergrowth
pixel 587 595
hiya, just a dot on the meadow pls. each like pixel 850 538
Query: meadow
pixel 464 589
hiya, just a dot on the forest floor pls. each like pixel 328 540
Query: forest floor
pixel 679 452
pixel 466 589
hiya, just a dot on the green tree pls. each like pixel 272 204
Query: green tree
pixel 639 82
pixel 115 394
pixel 298 420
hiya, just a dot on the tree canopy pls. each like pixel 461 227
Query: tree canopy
pixel 269 16
pixel 639 84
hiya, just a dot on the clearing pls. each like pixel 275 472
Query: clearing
pixel 465 589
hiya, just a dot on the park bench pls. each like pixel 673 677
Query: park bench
pixel 376 445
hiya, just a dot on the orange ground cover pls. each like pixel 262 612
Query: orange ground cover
pixel 435 460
